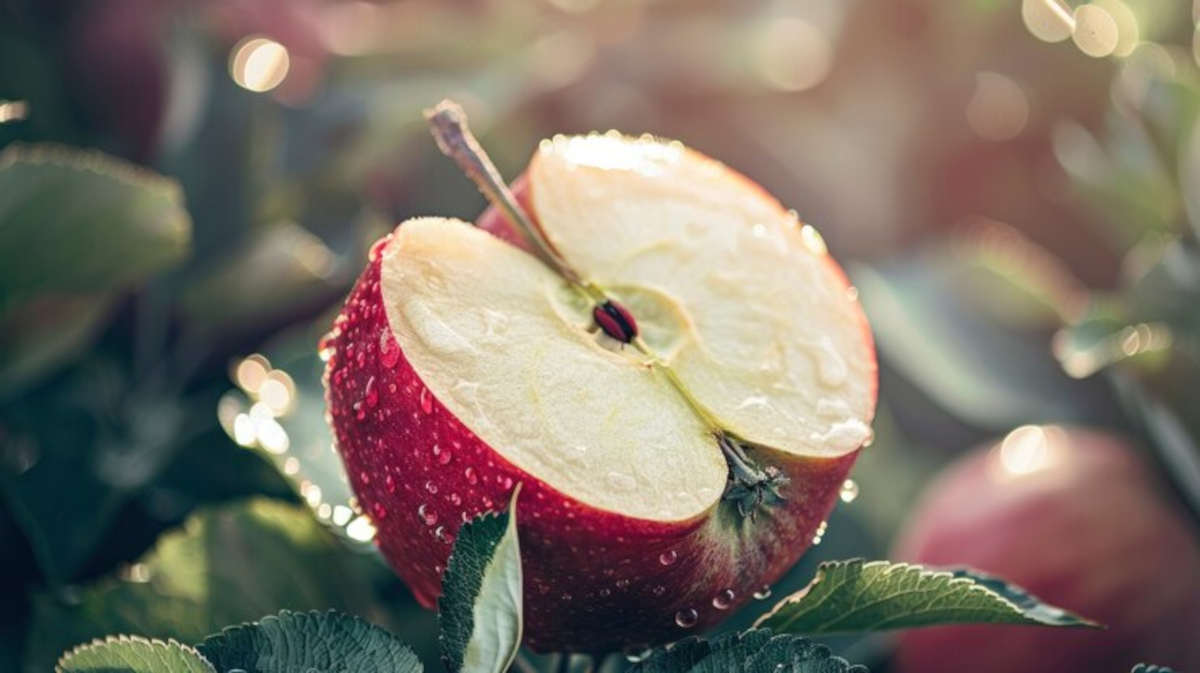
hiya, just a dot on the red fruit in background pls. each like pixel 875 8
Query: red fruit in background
pixel 462 366
pixel 1077 518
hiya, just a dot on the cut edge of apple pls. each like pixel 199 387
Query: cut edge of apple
pixel 747 329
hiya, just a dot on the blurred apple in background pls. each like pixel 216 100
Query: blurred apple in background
pixel 1078 519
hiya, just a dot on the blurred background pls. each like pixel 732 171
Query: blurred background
pixel 189 187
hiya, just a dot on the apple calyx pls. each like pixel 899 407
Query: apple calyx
pixel 750 487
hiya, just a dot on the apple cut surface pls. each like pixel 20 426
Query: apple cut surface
pixel 731 291
pixel 507 346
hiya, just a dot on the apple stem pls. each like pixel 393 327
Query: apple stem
pixel 448 123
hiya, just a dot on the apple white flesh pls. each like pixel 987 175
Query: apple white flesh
pixel 463 365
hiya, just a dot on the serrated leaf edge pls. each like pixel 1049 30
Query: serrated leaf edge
pixel 118 639
pixel 93 161
pixel 924 573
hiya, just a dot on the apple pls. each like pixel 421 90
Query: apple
pixel 666 359
pixel 1075 517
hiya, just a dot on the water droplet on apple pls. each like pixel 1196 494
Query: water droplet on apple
pixel 831 367
pixel 622 584
pixel 377 247
pixel 637 653
pixel 763 593
pixel 849 491
pixel 364 477
pixel 659 590
pixel 389 350
pixel 668 557
pixel 455 499
pixel 506 483
pixel 621 482
pixel 759 230
pixel 379 511
pixel 605 592
pixel 723 600
pixel 443 535
pixel 494 323
pixel 852 293
pixel 431 487
pixel 427 515
pixel 472 478
pixel 389 482
pixel 869 439
pixel 426 401
pixel 756 401
pixel 444 457
pixel 686 619
pixel 370 394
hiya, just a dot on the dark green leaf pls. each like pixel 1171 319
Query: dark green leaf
pixel 302 641
pixel 282 270
pixel 227 565
pixel 480 607
pixel 932 334
pixel 81 221
pixel 41 334
pixel 753 651
pixel 72 461
pixel 133 654
pixel 849 596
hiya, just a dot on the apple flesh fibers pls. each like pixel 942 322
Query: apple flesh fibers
pixel 462 366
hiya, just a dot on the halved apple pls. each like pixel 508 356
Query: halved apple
pixel 666 479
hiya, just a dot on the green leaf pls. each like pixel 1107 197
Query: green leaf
pixel 227 565
pixel 850 596
pixel 280 272
pixel 302 641
pixel 1151 668
pixel 752 651
pixel 480 607
pixel 133 654
pixel 80 221
pixel 40 335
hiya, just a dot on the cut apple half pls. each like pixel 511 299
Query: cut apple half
pixel 747 329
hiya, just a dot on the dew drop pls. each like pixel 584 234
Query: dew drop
pixel 849 491
pixel 377 248
pixel 621 482
pixel 426 514
pixel 637 653
pixel 443 535
pixel 686 619
pixel 370 394
pixel 472 478
pixel 852 293
pixel 506 483
pixel 763 593
pixel 431 487
pixel 831 367
pixel 389 350
pixel 659 590
pixel 379 511
pixel 364 477
pixel 426 401
pixel 444 457
pixel 668 557
pixel 605 592
pixel 389 482
pixel 723 600
pixel 455 499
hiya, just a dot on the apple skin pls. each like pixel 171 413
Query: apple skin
pixel 595 581
pixel 1090 533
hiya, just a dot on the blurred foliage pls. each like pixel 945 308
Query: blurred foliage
pixel 1024 221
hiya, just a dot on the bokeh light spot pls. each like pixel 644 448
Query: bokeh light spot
pixel 1096 33
pixel 259 64
pixel 999 109
pixel 1047 20
pixel 792 55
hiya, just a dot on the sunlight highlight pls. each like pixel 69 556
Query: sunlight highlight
pixel 259 64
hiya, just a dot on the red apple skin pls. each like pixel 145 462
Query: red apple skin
pixel 1090 533
pixel 595 581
